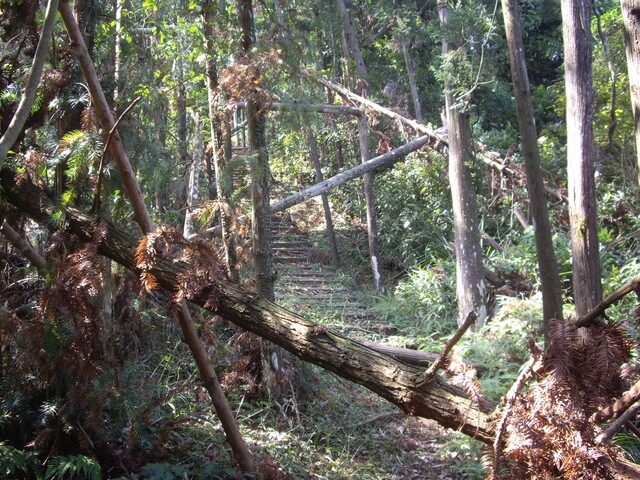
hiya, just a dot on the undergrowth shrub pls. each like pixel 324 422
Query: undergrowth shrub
pixel 500 347
pixel 424 303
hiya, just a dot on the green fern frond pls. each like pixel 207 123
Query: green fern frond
pixel 37 104
pixel 73 466
pixel 69 139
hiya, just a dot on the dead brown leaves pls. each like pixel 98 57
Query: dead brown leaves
pixel 551 430
pixel 204 261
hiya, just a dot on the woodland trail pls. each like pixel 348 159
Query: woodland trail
pixel 410 448
pixel 308 284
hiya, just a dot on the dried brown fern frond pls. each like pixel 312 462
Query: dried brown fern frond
pixel 561 355
pixel 607 348
pixel 551 432
pixel 464 376
pixel 205 268
pixel 151 246
pixel 243 79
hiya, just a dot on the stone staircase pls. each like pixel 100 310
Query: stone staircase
pixel 311 287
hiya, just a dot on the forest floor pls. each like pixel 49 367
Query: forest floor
pixel 337 429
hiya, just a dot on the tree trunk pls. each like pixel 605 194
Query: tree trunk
pixel 386 376
pixel 276 367
pixel 194 177
pixel 331 234
pixel 587 287
pixel 353 46
pixel 261 174
pixel 369 195
pixel 220 145
pixel 471 287
pixel 631 18
pixel 547 264
pixel 14 129
pixel 411 75
pixel 353 50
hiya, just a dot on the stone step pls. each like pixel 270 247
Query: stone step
pixel 327 299
pixel 308 270
pixel 294 252
pixel 306 280
pixel 292 259
pixel 291 244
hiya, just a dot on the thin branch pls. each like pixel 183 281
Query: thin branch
pixel 440 361
pixel 96 199
pixel 23 246
pixel 631 286
pixel 26 102
pixel 615 426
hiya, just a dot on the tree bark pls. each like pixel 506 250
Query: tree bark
pixel 31 89
pixel 411 75
pixel 547 263
pixel 353 50
pixel 386 376
pixel 261 174
pixel 328 221
pixel 193 183
pixel 587 287
pixel 471 287
pixel 370 199
pixel 631 19
pixel 353 46
pixel 217 121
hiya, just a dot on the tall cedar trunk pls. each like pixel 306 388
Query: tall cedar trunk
pixel 587 287
pixel 631 18
pixel 471 287
pixel 352 48
pixel 194 177
pixel 328 221
pixel 181 115
pixel 370 199
pixel 277 367
pixel 547 264
pixel 207 373
pixel 411 75
pixel 261 175
pixel 220 143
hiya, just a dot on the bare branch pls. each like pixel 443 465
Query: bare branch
pixel 23 246
pixel 24 108
pixel 630 286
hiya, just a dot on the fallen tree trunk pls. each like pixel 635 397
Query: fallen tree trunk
pixel 386 159
pixel 437 142
pixel 392 379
